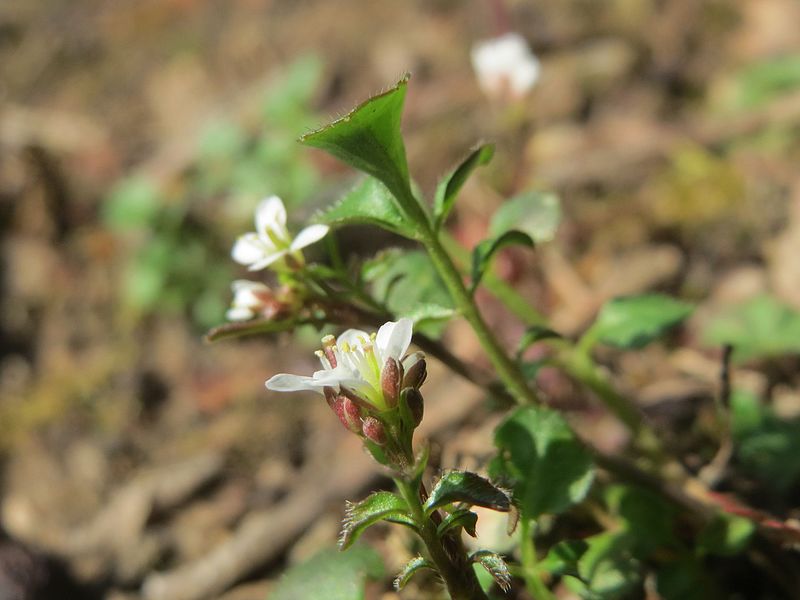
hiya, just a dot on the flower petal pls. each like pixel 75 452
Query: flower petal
pixel 353 337
pixel 309 235
pixel 394 338
pixel 247 249
pixel 239 313
pixel 267 259
pixel 270 214
pixel 286 382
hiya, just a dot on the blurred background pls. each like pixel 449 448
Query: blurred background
pixel 136 139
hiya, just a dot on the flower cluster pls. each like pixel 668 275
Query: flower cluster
pixel 270 245
pixel 368 380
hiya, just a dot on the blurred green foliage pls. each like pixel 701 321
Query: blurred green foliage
pixel 180 234
pixel 762 82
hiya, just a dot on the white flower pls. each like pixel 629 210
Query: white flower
pixel 505 66
pixel 271 240
pixel 249 299
pixel 353 361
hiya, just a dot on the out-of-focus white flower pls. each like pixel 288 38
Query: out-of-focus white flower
pixel 251 298
pixel 505 66
pixel 353 363
pixel 271 240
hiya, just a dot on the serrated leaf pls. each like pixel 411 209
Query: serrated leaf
pixel 448 188
pixel 533 334
pixel 472 489
pixel 758 328
pixel 635 321
pixel 483 252
pixel 495 565
pixel 459 518
pixel 368 139
pixel 374 508
pixel 535 213
pixel 550 468
pixel 254 327
pixel 369 202
pixel 331 575
pixel 415 564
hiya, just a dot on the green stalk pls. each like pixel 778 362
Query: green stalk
pixel 507 369
pixel 456 570
pixel 533 583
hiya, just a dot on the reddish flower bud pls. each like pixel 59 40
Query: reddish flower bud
pixel 416 370
pixel 349 413
pixel 374 431
pixel 416 404
pixel 330 396
pixel 390 381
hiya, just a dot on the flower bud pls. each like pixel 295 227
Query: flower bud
pixel 416 404
pixel 416 370
pixel 330 396
pixel 349 413
pixel 374 431
pixel 390 381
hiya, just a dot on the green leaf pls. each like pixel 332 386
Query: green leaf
pixel 369 139
pixel 764 81
pixel 331 575
pixel 533 334
pixel 759 328
pixel 646 516
pixel 562 559
pixel 767 447
pixel 427 314
pixel 725 535
pixel 535 213
pixel 496 567
pixel 133 204
pixel 635 321
pixel 371 203
pixel 459 518
pixel 374 508
pixel 684 579
pixel 483 252
pixel 451 184
pixel 608 569
pixel 415 564
pixel 550 469
pixel 472 489
pixel 404 281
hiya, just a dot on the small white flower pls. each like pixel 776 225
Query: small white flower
pixel 353 361
pixel 271 240
pixel 505 66
pixel 249 299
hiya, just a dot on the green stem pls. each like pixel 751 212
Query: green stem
pixel 533 583
pixel 453 566
pixel 506 368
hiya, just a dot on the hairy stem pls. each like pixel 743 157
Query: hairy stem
pixel 451 562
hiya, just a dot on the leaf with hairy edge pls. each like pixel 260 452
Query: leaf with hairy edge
pixel 369 202
pixel 415 564
pixel 429 313
pixel 483 252
pixel 460 518
pixel 255 327
pixel 495 565
pixel 375 507
pixel 368 139
pixel 463 486
pixel 635 321
pixel 451 184
pixel 551 470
